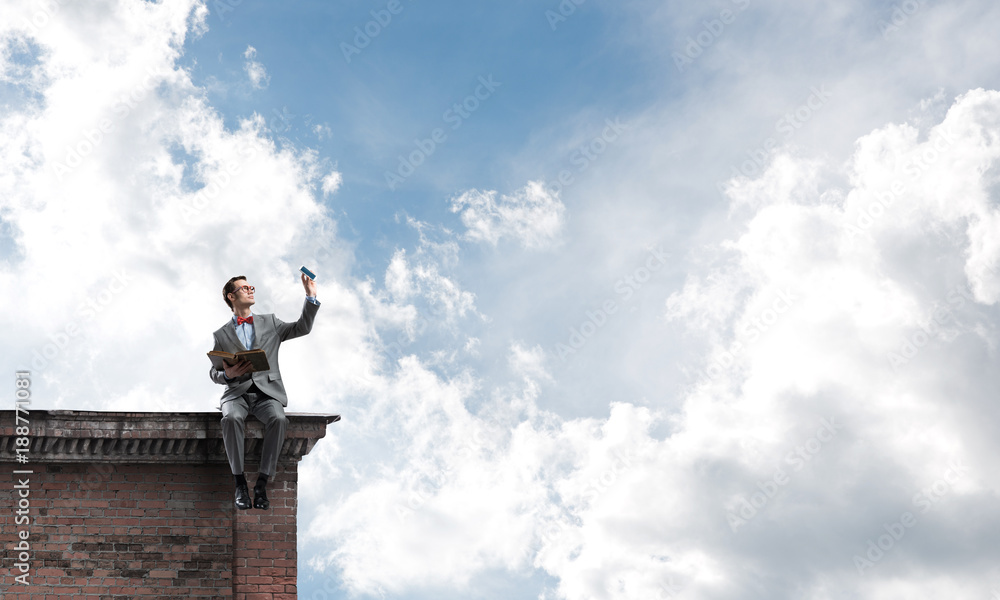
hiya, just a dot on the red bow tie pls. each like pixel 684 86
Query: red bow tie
pixel 241 320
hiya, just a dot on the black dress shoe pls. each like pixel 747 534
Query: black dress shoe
pixel 242 496
pixel 260 498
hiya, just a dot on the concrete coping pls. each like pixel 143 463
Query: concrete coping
pixel 59 436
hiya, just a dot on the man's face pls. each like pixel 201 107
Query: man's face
pixel 243 296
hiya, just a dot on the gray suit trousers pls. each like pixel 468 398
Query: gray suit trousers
pixel 269 412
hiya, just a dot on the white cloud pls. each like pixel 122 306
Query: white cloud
pixel 442 292
pixel 122 178
pixel 471 493
pixel 388 533
pixel 442 295
pixel 331 183
pixel 255 70
pixel 839 283
pixel 528 362
pixel 532 216
pixel 446 476
pixel 426 274
pixel 611 510
pixel 322 131
pixel 399 278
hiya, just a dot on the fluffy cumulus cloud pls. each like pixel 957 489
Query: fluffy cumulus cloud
pixel 331 183
pixel 532 216
pixel 124 187
pixel 851 328
pixel 419 288
pixel 837 442
pixel 255 70
pixel 474 490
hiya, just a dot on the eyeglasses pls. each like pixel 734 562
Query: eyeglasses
pixel 247 289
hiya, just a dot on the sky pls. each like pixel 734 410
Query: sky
pixel 620 300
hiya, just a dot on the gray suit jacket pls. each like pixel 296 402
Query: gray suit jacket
pixel 269 332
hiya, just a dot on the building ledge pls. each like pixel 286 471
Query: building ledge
pixel 60 436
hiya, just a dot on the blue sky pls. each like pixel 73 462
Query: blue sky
pixel 754 324
pixel 422 62
pixel 557 81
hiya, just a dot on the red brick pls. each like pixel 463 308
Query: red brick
pixel 135 527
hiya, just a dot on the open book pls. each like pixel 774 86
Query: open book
pixel 257 359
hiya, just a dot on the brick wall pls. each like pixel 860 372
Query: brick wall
pixel 123 523
pixel 264 553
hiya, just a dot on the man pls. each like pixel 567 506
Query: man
pixel 262 393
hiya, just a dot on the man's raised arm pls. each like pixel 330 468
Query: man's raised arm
pixel 287 331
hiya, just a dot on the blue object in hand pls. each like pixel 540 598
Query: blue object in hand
pixel 308 273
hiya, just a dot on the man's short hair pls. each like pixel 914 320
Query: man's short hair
pixel 230 288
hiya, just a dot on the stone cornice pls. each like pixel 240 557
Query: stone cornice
pixel 146 437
